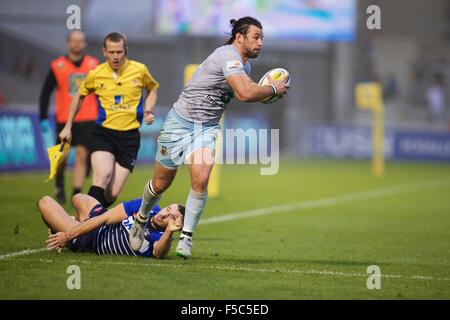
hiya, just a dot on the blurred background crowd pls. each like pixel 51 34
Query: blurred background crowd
pixel 325 45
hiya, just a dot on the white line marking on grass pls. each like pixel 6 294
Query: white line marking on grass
pixel 21 253
pixel 239 268
pixel 331 201
pixel 304 205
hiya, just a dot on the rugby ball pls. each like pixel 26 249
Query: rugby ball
pixel 276 74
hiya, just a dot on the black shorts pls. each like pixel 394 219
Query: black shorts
pixel 86 242
pixel 81 133
pixel 124 145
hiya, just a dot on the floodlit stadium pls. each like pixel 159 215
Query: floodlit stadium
pixel 339 190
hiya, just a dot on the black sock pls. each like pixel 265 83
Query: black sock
pixel 107 203
pixel 75 191
pixel 97 193
pixel 189 234
pixel 59 181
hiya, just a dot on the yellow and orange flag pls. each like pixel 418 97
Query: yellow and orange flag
pixel 55 156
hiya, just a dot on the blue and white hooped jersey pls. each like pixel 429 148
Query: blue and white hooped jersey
pixel 113 239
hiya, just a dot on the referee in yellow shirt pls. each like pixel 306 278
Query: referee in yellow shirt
pixel 118 84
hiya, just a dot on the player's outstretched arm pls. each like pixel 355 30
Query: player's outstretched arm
pixel 247 90
pixel 60 239
pixel 161 247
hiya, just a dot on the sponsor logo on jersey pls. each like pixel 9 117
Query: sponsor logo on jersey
pixel 128 222
pixel 118 99
pixel 235 64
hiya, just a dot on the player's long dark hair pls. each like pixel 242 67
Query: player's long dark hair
pixel 241 26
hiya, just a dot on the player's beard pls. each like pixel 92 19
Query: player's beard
pixel 252 54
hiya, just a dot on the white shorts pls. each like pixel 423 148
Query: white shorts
pixel 179 138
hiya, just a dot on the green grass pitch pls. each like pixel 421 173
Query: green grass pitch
pixel 316 234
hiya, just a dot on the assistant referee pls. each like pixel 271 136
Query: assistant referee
pixel 65 75
pixel 118 84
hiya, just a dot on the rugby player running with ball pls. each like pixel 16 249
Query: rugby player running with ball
pixel 223 75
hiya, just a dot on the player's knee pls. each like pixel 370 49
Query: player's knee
pixel 77 199
pixel 43 203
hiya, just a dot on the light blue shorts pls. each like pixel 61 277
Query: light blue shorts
pixel 179 138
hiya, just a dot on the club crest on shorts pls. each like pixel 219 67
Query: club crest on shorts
pixel 164 151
